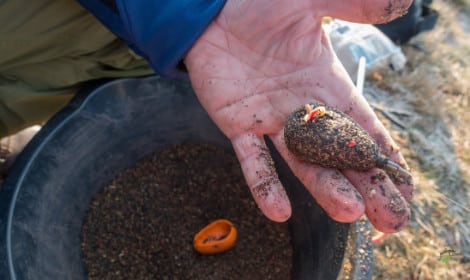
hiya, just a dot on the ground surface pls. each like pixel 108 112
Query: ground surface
pixel 427 109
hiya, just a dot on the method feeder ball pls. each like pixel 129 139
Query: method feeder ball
pixel 325 136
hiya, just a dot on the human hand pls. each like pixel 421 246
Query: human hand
pixel 260 60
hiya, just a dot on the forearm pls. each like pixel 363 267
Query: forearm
pixel 160 31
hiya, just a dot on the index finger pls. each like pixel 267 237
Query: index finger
pixel 365 11
pixel 345 97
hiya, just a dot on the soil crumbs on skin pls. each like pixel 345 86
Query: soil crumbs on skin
pixel 142 225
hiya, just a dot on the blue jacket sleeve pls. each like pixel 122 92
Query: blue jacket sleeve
pixel 161 31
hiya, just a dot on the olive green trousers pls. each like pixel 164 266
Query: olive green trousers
pixel 48 50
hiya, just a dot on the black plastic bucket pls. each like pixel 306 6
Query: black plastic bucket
pixel 106 130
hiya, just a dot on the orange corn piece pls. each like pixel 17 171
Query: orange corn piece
pixel 216 237
pixel 378 237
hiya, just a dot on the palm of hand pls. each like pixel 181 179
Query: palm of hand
pixel 250 70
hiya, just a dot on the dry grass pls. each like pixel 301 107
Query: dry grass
pixel 431 99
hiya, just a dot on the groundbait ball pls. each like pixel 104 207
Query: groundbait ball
pixel 325 136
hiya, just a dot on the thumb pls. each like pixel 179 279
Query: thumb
pixel 365 11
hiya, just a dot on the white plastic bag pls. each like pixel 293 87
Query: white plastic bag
pixel 351 41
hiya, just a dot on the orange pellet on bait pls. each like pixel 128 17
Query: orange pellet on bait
pixel 216 237
pixel 351 143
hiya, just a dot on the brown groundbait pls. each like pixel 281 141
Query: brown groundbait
pixel 325 136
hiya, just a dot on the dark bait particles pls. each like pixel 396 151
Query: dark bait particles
pixel 325 136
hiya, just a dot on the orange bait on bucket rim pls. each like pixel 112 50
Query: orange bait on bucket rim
pixel 378 237
pixel 216 237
